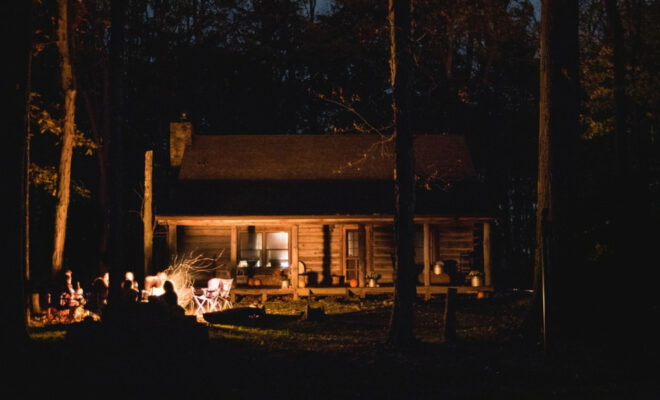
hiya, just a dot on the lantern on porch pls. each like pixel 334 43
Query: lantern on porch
pixel 438 268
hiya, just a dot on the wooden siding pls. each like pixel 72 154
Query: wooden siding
pixel 206 240
pixel 458 242
pixel 312 248
pixel 383 252
pixel 456 245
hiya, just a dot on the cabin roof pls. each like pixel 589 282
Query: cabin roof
pixel 319 175
pixel 319 157
pixel 320 197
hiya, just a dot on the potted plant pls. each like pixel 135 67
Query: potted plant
pixel 241 275
pixel 476 278
pixel 372 277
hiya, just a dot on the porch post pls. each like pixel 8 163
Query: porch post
pixel 369 246
pixel 486 248
pixel 363 256
pixel 172 240
pixel 233 251
pixel 427 262
pixel 294 261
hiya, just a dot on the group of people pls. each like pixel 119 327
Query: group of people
pixel 70 296
pixel 159 290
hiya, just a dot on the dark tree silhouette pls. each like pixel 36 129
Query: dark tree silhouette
pixel 556 259
pixel 18 24
pixel 117 211
pixel 401 322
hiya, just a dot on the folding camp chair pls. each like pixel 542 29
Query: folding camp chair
pixel 207 300
pixel 222 300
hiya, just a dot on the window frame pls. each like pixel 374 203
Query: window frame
pixel 264 231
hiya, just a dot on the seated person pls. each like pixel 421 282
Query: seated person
pixel 169 296
pixel 69 297
pixel 98 296
pixel 170 299
pixel 128 295
pixel 157 285
pixel 130 277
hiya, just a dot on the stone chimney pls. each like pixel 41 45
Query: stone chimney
pixel 180 137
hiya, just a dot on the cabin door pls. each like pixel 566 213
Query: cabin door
pixel 352 254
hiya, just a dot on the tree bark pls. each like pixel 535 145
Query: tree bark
pixel 557 168
pixel 147 218
pixel 402 318
pixel 68 130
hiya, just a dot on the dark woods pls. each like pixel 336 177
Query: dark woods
pixel 283 66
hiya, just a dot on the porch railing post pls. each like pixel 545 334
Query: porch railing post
pixel 486 247
pixel 294 260
pixel 427 262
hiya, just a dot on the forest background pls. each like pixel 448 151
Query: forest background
pixel 284 66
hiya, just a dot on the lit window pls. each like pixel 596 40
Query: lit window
pixel 277 249
pixel 250 248
pixel 253 252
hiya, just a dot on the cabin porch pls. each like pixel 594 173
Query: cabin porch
pixel 362 292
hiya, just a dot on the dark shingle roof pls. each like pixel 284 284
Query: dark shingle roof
pixel 313 157
pixel 317 174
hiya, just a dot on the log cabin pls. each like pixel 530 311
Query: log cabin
pixel 319 210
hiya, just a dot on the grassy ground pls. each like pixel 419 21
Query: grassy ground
pixel 341 354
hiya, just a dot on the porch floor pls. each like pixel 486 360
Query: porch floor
pixel 343 291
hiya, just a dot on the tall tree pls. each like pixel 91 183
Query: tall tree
pixel 557 168
pixel 401 321
pixel 117 212
pixel 68 131
pixel 17 25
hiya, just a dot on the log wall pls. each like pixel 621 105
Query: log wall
pixel 383 250
pixel 206 240
pixel 320 248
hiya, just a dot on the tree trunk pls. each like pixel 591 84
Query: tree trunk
pixel 100 127
pixel 557 173
pixel 26 165
pixel 401 321
pixel 116 171
pixel 68 130
pixel 17 17
pixel 622 147
pixel 146 212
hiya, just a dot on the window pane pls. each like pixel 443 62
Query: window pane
pixel 250 245
pixel 277 240
pixel 278 258
pixel 250 240
pixel 352 244
pixel 419 245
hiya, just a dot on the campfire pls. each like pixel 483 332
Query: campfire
pixel 186 269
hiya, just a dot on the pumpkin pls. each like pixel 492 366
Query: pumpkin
pixel 251 281
pixel 353 282
pixel 257 282
pixel 481 295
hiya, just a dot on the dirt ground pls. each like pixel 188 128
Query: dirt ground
pixel 340 353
